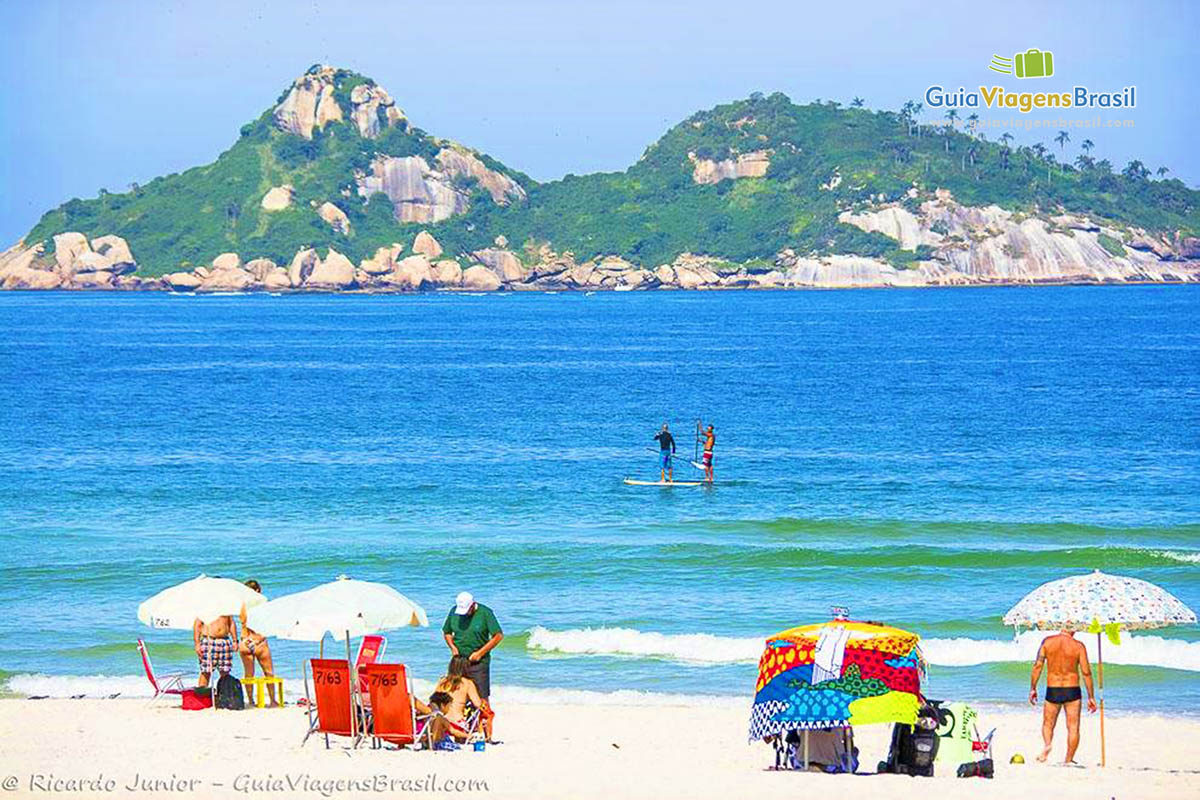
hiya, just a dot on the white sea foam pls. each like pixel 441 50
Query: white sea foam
pixel 1176 555
pixel 698 648
pixel 1138 650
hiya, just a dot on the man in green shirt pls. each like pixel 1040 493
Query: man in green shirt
pixel 471 630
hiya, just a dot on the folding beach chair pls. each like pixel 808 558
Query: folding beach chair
pixel 331 690
pixel 370 651
pixel 394 717
pixel 171 684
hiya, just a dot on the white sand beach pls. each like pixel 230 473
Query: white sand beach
pixel 122 747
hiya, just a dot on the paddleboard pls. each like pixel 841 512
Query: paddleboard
pixel 632 482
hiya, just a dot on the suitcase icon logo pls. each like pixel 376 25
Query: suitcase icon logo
pixel 1033 63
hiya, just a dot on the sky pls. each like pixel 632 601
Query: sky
pixel 101 94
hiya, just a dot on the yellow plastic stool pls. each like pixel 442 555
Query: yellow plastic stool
pixel 260 684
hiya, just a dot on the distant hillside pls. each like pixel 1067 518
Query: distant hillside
pixel 329 127
pixel 763 191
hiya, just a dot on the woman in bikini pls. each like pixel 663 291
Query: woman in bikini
pixel 253 647
pixel 461 690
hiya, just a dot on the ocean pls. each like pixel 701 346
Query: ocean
pixel 922 457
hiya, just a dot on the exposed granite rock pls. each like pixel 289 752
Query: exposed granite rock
pixel 277 280
pixel 26 268
pixel 67 247
pixel 227 279
pixel 18 257
pixel 383 262
pixel 448 273
pixel 182 281
pixel 260 268
pixel 116 250
pixel 504 263
pixel 369 105
pixel 310 104
pixel 895 222
pixel 335 217
pixel 426 245
pixel 302 266
pixel 458 162
pixel 414 272
pixel 418 193
pixel 333 272
pixel 480 278
pixel 278 198
pixel 745 165
pixel 226 261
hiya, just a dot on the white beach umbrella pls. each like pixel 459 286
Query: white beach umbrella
pixel 202 598
pixel 1099 602
pixel 344 607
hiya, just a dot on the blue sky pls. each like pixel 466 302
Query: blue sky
pixel 100 94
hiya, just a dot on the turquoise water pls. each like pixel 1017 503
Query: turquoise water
pixel 921 457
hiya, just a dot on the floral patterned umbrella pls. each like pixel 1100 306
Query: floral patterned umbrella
pixel 1099 602
pixel 1085 602
pixel 836 674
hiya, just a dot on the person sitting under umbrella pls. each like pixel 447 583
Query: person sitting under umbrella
pixel 1064 659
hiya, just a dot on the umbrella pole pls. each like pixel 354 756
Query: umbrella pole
pixel 353 692
pixel 1100 663
pixel 806 749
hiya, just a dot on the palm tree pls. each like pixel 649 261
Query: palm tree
pixel 1087 146
pixel 857 102
pixel 1084 162
pixel 1062 139
pixel 1005 138
pixel 973 121
pixel 1162 171
pixel 951 115
pixel 916 113
pixel 1136 170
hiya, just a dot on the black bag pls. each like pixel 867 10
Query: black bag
pixel 977 769
pixel 914 747
pixel 229 693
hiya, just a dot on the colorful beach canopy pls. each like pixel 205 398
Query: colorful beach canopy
pixel 1098 600
pixel 202 598
pixel 341 607
pixel 835 674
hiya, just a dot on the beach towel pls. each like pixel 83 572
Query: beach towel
pixel 831 650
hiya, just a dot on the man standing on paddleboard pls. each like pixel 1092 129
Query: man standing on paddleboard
pixel 666 451
pixel 710 441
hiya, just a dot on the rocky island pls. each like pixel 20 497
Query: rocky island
pixel 333 189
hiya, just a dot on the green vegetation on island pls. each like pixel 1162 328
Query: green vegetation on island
pixel 821 159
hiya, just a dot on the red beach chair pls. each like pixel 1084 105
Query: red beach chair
pixel 393 712
pixel 370 651
pixel 166 685
pixel 331 687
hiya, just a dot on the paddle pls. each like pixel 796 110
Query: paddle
pixel 695 464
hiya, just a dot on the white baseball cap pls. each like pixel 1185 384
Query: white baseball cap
pixel 463 603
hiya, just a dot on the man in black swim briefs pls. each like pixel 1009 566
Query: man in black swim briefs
pixel 1064 659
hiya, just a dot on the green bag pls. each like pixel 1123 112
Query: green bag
pixel 1033 63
